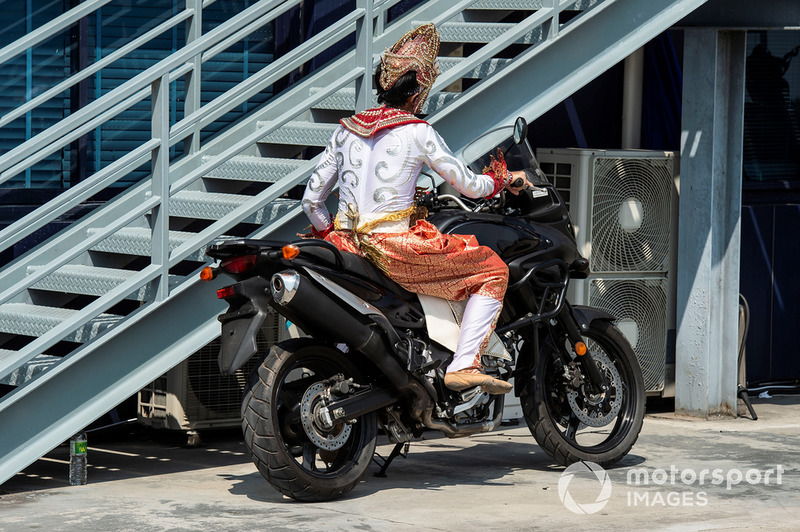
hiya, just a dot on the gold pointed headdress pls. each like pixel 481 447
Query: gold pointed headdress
pixel 416 50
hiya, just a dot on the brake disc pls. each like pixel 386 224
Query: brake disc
pixel 591 410
pixel 329 439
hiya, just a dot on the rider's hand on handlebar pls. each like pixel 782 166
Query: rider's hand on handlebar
pixel 519 182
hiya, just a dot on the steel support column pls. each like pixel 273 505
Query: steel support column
pixel 364 38
pixel 709 225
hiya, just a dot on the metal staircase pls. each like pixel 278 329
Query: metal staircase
pixel 93 314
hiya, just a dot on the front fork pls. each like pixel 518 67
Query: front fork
pixel 598 383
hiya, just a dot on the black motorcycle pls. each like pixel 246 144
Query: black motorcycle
pixel 376 354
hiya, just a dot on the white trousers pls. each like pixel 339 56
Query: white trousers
pixel 480 316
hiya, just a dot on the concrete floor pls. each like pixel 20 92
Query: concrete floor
pixel 496 481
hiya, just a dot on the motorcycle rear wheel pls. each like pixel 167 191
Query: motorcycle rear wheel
pixel 306 463
pixel 565 431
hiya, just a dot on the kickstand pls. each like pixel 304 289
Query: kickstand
pixel 745 396
pixel 394 454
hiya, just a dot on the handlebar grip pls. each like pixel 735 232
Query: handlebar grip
pixel 518 182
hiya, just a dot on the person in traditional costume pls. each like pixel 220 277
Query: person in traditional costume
pixel 376 157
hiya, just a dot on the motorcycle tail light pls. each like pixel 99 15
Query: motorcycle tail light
pixel 222 293
pixel 239 264
pixel 289 251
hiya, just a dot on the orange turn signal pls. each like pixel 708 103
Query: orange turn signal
pixel 207 274
pixel 290 251
pixel 580 348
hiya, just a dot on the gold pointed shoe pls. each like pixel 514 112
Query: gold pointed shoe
pixel 459 380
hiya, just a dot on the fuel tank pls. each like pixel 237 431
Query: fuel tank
pixel 511 238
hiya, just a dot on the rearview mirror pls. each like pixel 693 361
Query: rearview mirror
pixel 520 130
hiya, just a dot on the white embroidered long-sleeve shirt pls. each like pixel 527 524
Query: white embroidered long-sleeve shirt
pixel 379 174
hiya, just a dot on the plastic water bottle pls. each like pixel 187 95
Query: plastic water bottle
pixel 77 459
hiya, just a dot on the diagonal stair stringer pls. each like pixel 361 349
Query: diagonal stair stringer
pixel 552 73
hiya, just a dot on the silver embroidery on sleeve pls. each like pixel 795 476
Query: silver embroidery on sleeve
pixel 349 179
pixel 315 182
pixel 451 169
pixel 309 206
pixel 340 136
pixel 428 149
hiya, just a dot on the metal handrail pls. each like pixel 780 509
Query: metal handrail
pixel 138 82
pixel 86 8
pixel 79 319
pixel 75 195
pixel 80 192
pixel 95 67
pixel 267 75
pixel 208 46
pixel 64 202
pixel 88 126
pixel 59 23
pixel 270 193
pixel 488 50
pixel 163 73
pixel 107 231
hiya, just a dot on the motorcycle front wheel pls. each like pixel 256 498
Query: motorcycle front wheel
pixel 569 422
pixel 293 451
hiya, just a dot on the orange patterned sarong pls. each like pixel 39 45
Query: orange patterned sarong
pixel 425 261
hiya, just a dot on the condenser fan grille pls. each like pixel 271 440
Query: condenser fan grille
pixel 631 214
pixel 640 306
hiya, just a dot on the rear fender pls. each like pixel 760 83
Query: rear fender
pixel 240 325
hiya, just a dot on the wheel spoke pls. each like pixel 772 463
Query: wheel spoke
pixel 310 456
pixel 572 426
pixel 291 392
pixel 289 419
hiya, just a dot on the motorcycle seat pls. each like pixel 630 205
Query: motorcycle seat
pixel 360 267
pixel 363 268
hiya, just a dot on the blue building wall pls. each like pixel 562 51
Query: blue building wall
pixel 771 205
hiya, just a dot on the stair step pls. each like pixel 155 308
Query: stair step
pixel 36 320
pixel 28 370
pixel 259 169
pixel 507 4
pixel 300 133
pixel 438 100
pixel 482 32
pixel 528 5
pixel 342 100
pixel 6 354
pixel 479 72
pixel 215 205
pixel 92 280
pixel 136 241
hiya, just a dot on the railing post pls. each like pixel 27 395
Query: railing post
pixel 194 30
pixel 159 221
pixel 380 20
pixel 364 35
pixel 556 7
